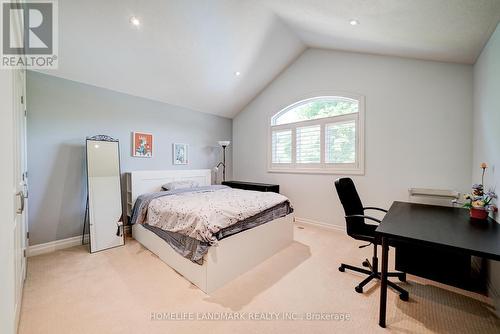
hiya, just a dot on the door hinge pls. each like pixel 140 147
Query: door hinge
pixel 25 112
pixel 27 235
pixel 22 99
pixel 24 252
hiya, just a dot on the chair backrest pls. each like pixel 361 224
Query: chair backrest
pixel 351 202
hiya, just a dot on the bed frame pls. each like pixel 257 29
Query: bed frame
pixel 232 257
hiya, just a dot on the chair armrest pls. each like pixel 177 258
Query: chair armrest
pixel 366 217
pixel 374 208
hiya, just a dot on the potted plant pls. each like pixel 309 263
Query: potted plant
pixel 479 202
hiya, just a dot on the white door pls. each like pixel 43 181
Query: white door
pixel 13 189
pixel 20 179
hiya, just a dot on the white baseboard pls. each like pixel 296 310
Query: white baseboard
pixel 306 221
pixel 56 245
pixel 52 246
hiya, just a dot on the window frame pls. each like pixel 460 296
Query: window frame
pixel 357 168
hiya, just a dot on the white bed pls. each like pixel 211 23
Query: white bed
pixel 232 257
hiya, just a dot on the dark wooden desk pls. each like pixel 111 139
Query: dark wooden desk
pixel 265 187
pixel 436 226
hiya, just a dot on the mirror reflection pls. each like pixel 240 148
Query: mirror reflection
pixel 104 193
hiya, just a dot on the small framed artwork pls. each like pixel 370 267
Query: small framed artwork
pixel 142 145
pixel 180 153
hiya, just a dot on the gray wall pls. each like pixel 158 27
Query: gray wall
pixel 61 113
pixel 487 131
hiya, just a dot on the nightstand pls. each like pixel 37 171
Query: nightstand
pixel 253 186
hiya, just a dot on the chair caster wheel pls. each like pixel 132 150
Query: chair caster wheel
pixel 402 277
pixel 358 289
pixel 365 264
pixel 404 297
pixel 341 269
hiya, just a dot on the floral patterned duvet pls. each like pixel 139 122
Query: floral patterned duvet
pixel 202 212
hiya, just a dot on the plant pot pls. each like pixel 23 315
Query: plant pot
pixel 478 213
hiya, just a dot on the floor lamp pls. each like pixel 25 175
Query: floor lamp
pixel 223 144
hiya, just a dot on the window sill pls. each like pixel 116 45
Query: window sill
pixel 321 171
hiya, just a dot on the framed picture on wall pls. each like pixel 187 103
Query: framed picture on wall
pixel 142 145
pixel 180 154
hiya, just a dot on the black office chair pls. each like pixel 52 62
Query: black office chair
pixel 359 230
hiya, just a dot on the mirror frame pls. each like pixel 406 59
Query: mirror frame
pixel 103 138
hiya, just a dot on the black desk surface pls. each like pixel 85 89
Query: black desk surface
pixel 250 183
pixel 445 226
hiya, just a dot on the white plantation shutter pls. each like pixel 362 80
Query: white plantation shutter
pixel 340 142
pixel 308 144
pixel 320 135
pixel 282 147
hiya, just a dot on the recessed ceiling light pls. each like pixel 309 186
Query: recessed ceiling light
pixel 96 145
pixel 354 22
pixel 237 73
pixel 135 21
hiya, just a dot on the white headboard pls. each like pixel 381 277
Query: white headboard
pixel 141 182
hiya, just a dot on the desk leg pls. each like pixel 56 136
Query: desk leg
pixel 383 282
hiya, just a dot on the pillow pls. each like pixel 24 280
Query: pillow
pixel 180 185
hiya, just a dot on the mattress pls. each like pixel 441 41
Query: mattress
pixel 194 249
pixel 192 220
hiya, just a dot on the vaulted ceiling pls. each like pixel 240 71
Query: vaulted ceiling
pixel 187 52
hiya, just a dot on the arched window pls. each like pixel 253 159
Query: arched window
pixel 323 134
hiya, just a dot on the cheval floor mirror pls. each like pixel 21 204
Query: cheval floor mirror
pixel 103 213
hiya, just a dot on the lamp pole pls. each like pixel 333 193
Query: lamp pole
pixel 224 163
pixel 223 144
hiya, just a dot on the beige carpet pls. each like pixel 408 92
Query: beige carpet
pixel 116 291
